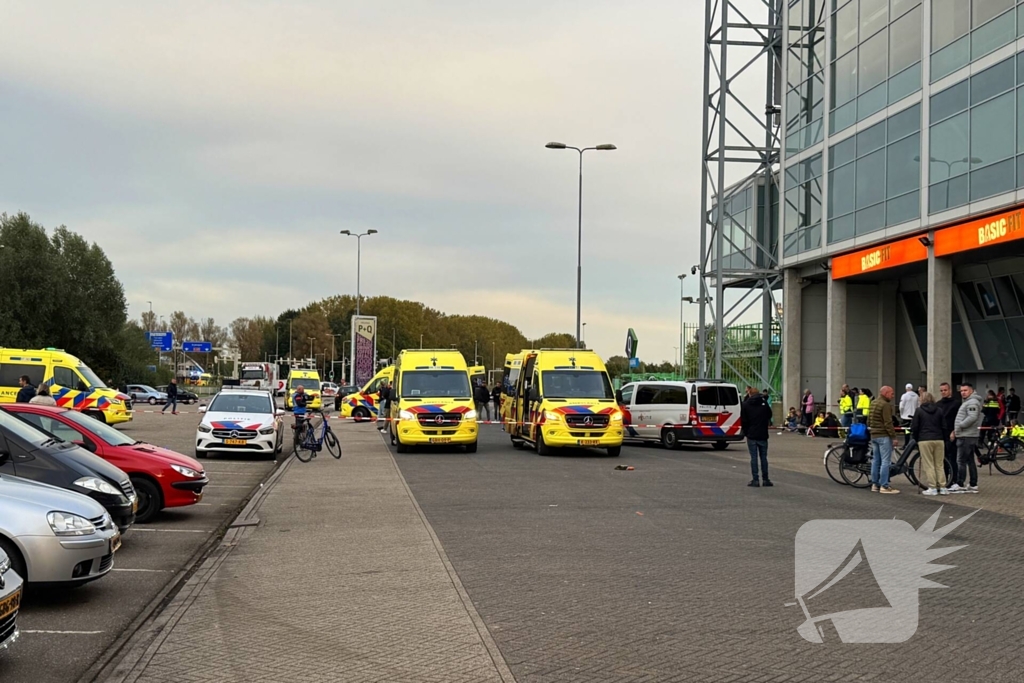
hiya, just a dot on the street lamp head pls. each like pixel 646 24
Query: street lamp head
pixel 682 276
pixel 346 232
pixel 371 232
pixel 606 148
pixel 555 145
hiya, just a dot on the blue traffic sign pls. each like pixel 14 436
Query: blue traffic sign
pixel 161 341
pixel 196 347
pixel 634 362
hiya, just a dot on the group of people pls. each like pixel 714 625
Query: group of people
pixel 484 397
pixel 30 393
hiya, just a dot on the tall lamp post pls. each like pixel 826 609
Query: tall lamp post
pixel 583 336
pixel 579 233
pixel 334 352
pixel 359 257
pixel 681 278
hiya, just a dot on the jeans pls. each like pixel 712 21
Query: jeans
pixel 881 460
pixel 965 459
pixel 483 408
pixel 758 449
pixel 846 419
pixel 951 459
pixel 172 403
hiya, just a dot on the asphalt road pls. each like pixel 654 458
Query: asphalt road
pixel 679 571
pixel 64 631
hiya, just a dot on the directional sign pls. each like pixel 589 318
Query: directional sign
pixel 196 347
pixel 161 341
pixel 631 343
pixel 634 362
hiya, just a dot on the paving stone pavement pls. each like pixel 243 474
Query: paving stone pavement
pixel 343 580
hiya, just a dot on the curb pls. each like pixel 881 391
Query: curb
pixel 151 625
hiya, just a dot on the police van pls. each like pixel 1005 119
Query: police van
pixel 671 413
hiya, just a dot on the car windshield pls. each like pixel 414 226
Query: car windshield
pixel 435 384
pixel 576 384
pixel 105 431
pixel 22 429
pixel 309 384
pixel 90 377
pixel 241 403
pixel 253 374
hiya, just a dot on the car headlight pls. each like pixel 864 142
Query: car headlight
pixel 268 430
pixel 115 402
pixel 551 416
pixel 67 524
pixel 98 485
pixel 406 415
pixel 616 417
pixel 470 415
pixel 187 471
pixel 205 429
pixel 5 564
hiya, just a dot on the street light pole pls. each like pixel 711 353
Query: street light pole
pixel 150 315
pixel 583 336
pixel 421 340
pixel 359 259
pixel 681 278
pixel 311 340
pixel 579 228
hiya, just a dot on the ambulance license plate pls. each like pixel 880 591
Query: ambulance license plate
pixel 10 604
pixel 444 439
pixel 588 442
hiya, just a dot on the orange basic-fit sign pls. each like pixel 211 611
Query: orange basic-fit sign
pixel 901 252
pixel 983 232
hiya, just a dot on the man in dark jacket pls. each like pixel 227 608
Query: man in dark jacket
pixel 483 400
pixel 384 404
pixel 172 397
pixel 1012 405
pixel 756 418
pixel 949 404
pixel 27 391
pixel 496 400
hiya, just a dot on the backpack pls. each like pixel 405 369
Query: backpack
pixel 857 434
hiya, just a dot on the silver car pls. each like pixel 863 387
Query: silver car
pixel 143 393
pixel 10 601
pixel 52 535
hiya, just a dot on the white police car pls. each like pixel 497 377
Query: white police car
pixel 240 421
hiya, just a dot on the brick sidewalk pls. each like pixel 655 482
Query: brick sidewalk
pixel 342 580
pixel 999 492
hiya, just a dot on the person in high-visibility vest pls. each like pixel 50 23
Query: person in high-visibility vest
pixel 863 404
pixel 845 408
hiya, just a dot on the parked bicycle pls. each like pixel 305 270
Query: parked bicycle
pixel 310 438
pixel 852 465
pixel 1007 454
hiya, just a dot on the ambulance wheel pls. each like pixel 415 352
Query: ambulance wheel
pixel 360 414
pixel 721 445
pixel 614 451
pixel 471 447
pixel 97 415
pixel 542 448
pixel 669 439
pixel 399 446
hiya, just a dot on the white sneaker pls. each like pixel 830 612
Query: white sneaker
pixel 971 489
pixel 929 492
pixel 943 492
pixel 955 488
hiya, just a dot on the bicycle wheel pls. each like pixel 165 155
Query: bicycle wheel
pixel 332 443
pixel 301 445
pixel 914 472
pixel 833 461
pixel 1011 460
pixel 857 476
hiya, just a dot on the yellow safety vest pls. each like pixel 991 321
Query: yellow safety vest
pixel 846 404
pixel 863 404
pixel 1017 431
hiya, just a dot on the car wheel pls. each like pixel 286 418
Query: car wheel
pixel 669 439
pixel 614 451
pixel 721 445
pixel 151 500
pixel 97 415
pixel 152 400
pixel 360 414
pixel 200 454
pixel 542 448
pixel 399 446
pixel 471 447
pixel 17 562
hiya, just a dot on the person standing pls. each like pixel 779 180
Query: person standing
pixel 908 406
pixel 863 405
pixel 966 431
pixel 42 397
pixel 1012 405
pixel 845 407
pixel 928 429
pixel 990 411
pixel 807 404
pixel 27 391
pixel 1001 400
pixel 756 418
pixel 882 434
pixel 483 400
pixel 496 400
pixel 950 404
pixel 384 404
pixel 172 397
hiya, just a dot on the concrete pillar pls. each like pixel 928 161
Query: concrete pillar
pixel 887 336
pixel 939 356
pixel 835 351
pixel 792 303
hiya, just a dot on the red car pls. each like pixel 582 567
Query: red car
pixel 162 478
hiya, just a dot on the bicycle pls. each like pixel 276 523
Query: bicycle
pixel 858 474
pixel 998 451
pixel 307 443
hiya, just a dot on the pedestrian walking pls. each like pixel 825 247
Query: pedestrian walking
pixel 908 406
pixel 483 400
pixel 42 397
pixel 1012 405
pixel 928 428
pixel 966 429
pixel 883 432
pixel 950 404
pixel 845 407
pixel 172 397
pixel 756 418
pixel 496 400
pixel 807 403
pixel 27 391
pixel 384 404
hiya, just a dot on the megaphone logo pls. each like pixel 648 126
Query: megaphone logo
pixel 857 580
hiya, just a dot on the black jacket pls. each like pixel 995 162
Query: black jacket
pixel 25 394
pixel 172 390
pixel 756 418
pixel 496 394
pixel 385 394
pixel 1013 403
pixel 481 395
pixel 949 407
pixel 929 423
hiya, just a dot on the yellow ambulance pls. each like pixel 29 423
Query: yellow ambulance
pixel 510 375
pixel 365 403
pixel 71 382
pixel 564 398
pixel 431 401
pixel 309 380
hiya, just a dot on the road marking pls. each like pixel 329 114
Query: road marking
pixel 229 486
pixel 173 531
pixel 125 569
pixel 225 473
pixel 66 633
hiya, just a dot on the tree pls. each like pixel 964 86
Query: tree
pixel 179 325
pixel 617 365
pixel 557 340
pixel 210 331
pixel 247 334
pixel 148 321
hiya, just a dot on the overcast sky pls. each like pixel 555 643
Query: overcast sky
pixel 215 149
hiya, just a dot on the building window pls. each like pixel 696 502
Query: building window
pixel 737 228
pixel 875 176
pixel 975 133
pixel 876 57
pixel 802 217
pixel 805 75
pixel 964 30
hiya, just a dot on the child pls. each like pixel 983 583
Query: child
pixel 812 430
pixel 791 420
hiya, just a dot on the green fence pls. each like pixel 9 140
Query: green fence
pixel 742 352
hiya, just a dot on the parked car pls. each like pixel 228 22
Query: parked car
pixel 343 391
pixel 161 477
pixel 10 600
pixel 52 535
pixel 328 389
pixel 696 411
pixel 240 421
pixel 143 393
pixel 184 395
pixel 43 457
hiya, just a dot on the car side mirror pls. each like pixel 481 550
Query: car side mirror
pixel 618 397
pixel 89 446
pixel 202 409
pixel 278 412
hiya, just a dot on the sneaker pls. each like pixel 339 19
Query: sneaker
pixel 930 492
pixel 888 489
pixel 767 482
pixel 943 492
pixel 874 488
pixel 955 488
pixel 971 489
pixel 754 482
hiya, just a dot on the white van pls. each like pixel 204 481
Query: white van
pixel 694 411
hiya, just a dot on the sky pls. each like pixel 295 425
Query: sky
pixel 216 149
